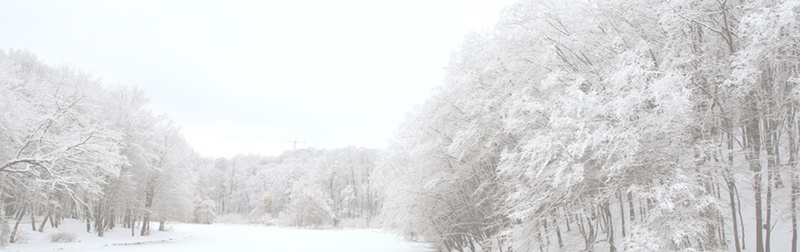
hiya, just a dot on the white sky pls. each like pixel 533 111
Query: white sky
pixel 246 77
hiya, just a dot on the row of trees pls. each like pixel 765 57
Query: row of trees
pixel 65 154
pixel 299 188
pixel 642 125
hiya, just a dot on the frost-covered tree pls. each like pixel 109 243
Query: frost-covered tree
pixel 299 188
pixel 619 124
pixel 55 146
pixel 65 154
pixel 204 211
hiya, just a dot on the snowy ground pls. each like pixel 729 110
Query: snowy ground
pixel 193 237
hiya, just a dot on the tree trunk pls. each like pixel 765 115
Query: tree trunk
pixel 752 153
pixel 112 221
pixel 771 169
pixel 162 225
pixel 99 226
pixel 145 226
pixel 133 226
pixel 546 230
pixel 793 135
pixel 55 220
pixel 20 214
pixel 721 239
pixel 610 224
pixel 729 181
pixel 44 221
pixel 566 220
pixel 88 219
pixel 631 208
pixel 149 194
pixel 795 191
pixel 621 212
pixel 558 235
pixel 33 218
pixel 741 220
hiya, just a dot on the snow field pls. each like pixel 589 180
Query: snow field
pixel 198 237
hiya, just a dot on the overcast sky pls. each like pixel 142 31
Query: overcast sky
pixel 248 77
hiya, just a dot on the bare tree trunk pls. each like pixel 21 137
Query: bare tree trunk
pixel 731 187
pixel 566 220
pixel 772 153
pixel 558 235
pixel 621 212
pixel 162 225
pixel 741 220
pixel 44 221
pixel 88 219
pixel 99 226
pixel 145 226
pixel 610 224
pixel 793 136
pixel 149 194
pixel 55 220
pixel 721 227
pixel 126 221
pixel 631 207
pixel 729 181
pixel 33 218
pixel 111 220
pixel 20 214
pixel 546 230
pixel 133 227
pixel 795 191
pixel 752 153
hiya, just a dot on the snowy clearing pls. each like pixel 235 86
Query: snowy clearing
pixel 197 237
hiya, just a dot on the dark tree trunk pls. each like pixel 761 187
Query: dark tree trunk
pixel 752 153
pixel 149 195
pixel 162 225
pixel 20 214
pixel 731 188
pixel 610 224
pixel 741 220
pixel 795 191
pixel 793 148
pixel 558 235
pixel 33 218
pixel 772 153
pixel 99 226
pixel 621 212
pixel 145 226
pixel 44 221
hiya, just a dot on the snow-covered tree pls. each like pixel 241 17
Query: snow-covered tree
pixel 64 154
pixel 613 123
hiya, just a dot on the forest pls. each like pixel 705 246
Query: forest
pixel 583 125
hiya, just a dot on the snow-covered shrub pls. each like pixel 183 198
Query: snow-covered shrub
pixel 204 211
pixel 63 237
pixel 308 207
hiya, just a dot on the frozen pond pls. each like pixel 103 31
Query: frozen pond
pixel 192 237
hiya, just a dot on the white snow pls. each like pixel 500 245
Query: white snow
pixel 220 237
